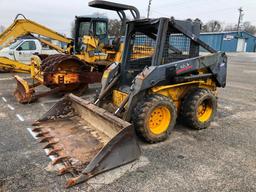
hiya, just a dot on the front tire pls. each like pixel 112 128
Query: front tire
pixel 154 118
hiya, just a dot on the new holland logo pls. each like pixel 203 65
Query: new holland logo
pixel 184 68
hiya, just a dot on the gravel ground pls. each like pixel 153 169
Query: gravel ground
pixel 220 158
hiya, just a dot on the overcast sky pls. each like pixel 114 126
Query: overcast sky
pixel 58 14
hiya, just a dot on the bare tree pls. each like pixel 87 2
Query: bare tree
pixel 248 27
pixel 245 26
pixel 230 27
pixel 73 32
pixel 212 26
pixel 2 28
pixel 114 27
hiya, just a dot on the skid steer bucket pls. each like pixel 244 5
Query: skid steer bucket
pixel 85 140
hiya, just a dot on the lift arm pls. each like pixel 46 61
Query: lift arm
pixel 25 26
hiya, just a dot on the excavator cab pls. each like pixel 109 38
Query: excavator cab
pixel 91 34
pixel 90 26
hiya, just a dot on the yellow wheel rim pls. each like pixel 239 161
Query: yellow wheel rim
pixel 159 120
pixel 204 111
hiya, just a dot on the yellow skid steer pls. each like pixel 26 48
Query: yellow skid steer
pixel 144 94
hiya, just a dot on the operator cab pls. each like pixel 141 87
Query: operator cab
pixel 154 42
pixel 91 26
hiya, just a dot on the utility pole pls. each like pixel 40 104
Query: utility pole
pixel 240 19
pixel 149 5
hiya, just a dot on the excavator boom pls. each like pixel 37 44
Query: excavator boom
pixel 25 26
pixel 21 27
pixel 56 47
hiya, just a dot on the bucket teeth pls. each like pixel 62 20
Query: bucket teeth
pixel 36 123
pixel 49 145
pixel 46 139
pixel 41 134
pixel 66 169
pixel 37 129
pixel 59 159
pixel 53 152
pixel 79 179
pixel 71 182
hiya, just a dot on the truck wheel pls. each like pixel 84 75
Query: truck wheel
pixel 198 109
pixel 154 118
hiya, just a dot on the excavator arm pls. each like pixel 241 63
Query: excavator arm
pixel 25 26
pixel 22 27
pixel 51 45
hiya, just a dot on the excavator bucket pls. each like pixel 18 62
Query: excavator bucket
pixel 23 92
pixel 85 140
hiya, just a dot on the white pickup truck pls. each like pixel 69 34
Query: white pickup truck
pixel 23 49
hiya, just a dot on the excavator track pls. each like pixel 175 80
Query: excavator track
pixel 53 62
pixel 61 73
pixel 62 69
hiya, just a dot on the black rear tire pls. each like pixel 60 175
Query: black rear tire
pixel 191 113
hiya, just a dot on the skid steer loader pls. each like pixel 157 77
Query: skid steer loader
pixel 142 95
pixel 92 54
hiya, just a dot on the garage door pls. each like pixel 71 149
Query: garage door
pixel 241 45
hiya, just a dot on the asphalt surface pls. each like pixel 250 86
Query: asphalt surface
pixel 220 158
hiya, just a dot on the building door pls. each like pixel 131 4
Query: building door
pixel 245 46
pixel 241 45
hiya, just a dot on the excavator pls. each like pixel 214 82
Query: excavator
pixel 141 96
pixel 92 53
pixel 22 27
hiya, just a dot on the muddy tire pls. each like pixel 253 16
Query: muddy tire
pixel 198 109
pixel 154 118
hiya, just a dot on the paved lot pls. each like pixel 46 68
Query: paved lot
pixel 220 158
